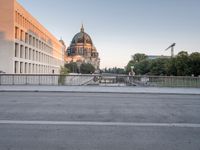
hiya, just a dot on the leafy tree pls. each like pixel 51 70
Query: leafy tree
pixel 119 70
pixel 87 68
pixel 194 59
pixel 171 67
pixel 142 67
pixel 63 72
pixel 182 64
pixel 159 66
pixel 139 57
pixel 128 67
pixel 73 67
pixel 115 70
pixel 135 61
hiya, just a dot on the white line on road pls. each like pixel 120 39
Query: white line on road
pixel 82 123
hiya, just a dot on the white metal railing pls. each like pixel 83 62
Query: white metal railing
pixel 99 79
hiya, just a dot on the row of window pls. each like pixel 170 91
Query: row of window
pixel 31 40
pixel 24 22
pixel 25 52
pixel 24 67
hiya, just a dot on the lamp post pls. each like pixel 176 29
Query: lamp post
pixel 132 72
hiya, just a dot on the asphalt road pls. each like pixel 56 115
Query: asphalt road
pixel 99 121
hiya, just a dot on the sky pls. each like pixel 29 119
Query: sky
pixel 121 28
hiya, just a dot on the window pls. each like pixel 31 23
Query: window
pixel 39 56
pixel 33 55
pixel 26 37
pixel 26 68
pixel 26 52
pixel 16 32
pixel 20 19
pixel 39 44
pixel 33 41
pixel 36 68
pixel 16 67
pixel 21 67
pixel 30 54
pixel 33 69
pixel 21 51
pixel 36 43
pixel 22 35
pixel 30 39
pixel 25 23
pixel 29 67
pixel 16 50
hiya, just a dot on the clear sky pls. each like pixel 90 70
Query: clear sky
pixel 121 28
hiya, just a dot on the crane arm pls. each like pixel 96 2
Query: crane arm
pixel 170 46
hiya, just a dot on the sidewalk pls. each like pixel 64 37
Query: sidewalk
pixel 100 89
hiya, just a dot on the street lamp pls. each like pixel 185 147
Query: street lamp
pixel 132 73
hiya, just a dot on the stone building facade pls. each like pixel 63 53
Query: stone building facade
pixel 82 50
pixel 26 47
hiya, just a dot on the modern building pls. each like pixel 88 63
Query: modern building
pixel 156 56
pixel 82 50
pixel 26 46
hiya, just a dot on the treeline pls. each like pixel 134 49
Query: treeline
pixel 182 64
pixel 84 68
pixel 114 70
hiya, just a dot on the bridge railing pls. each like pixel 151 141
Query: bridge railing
pixel 99 79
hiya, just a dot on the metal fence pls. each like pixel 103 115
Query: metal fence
pixel 105 80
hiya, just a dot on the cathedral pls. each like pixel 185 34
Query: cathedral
pixel 82 50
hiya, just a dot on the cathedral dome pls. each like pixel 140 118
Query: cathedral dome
pixel 82 38
pixel 82 50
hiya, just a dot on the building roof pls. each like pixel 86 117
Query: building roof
pixel 157 56
pixel 82 37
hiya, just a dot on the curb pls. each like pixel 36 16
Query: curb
pixel 43 91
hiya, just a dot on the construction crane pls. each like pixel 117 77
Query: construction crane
pixel 172 49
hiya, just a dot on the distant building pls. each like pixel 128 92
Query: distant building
pixel 82 50
pixel 156 56
pixel 25 45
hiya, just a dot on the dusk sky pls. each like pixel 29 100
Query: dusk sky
pixel 121 28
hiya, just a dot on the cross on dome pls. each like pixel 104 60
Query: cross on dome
pixel 82 28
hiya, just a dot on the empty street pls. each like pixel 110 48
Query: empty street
pixel 98 121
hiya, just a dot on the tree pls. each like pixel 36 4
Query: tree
pixel 63 72
pixel 142 67
pixel 135 61
pixel 159 66
pixel 87 68
pixel 139 57
pixel 115 70
pixel 128 67
pixel 194 60
pixel 119 70
pixel 171 67
pixel 182 64
pixel 73 67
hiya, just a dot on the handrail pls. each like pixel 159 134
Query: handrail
pixel 82 79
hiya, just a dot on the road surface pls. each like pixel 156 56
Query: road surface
pixel 98 121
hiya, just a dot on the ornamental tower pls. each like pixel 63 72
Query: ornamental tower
pixel 82 50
